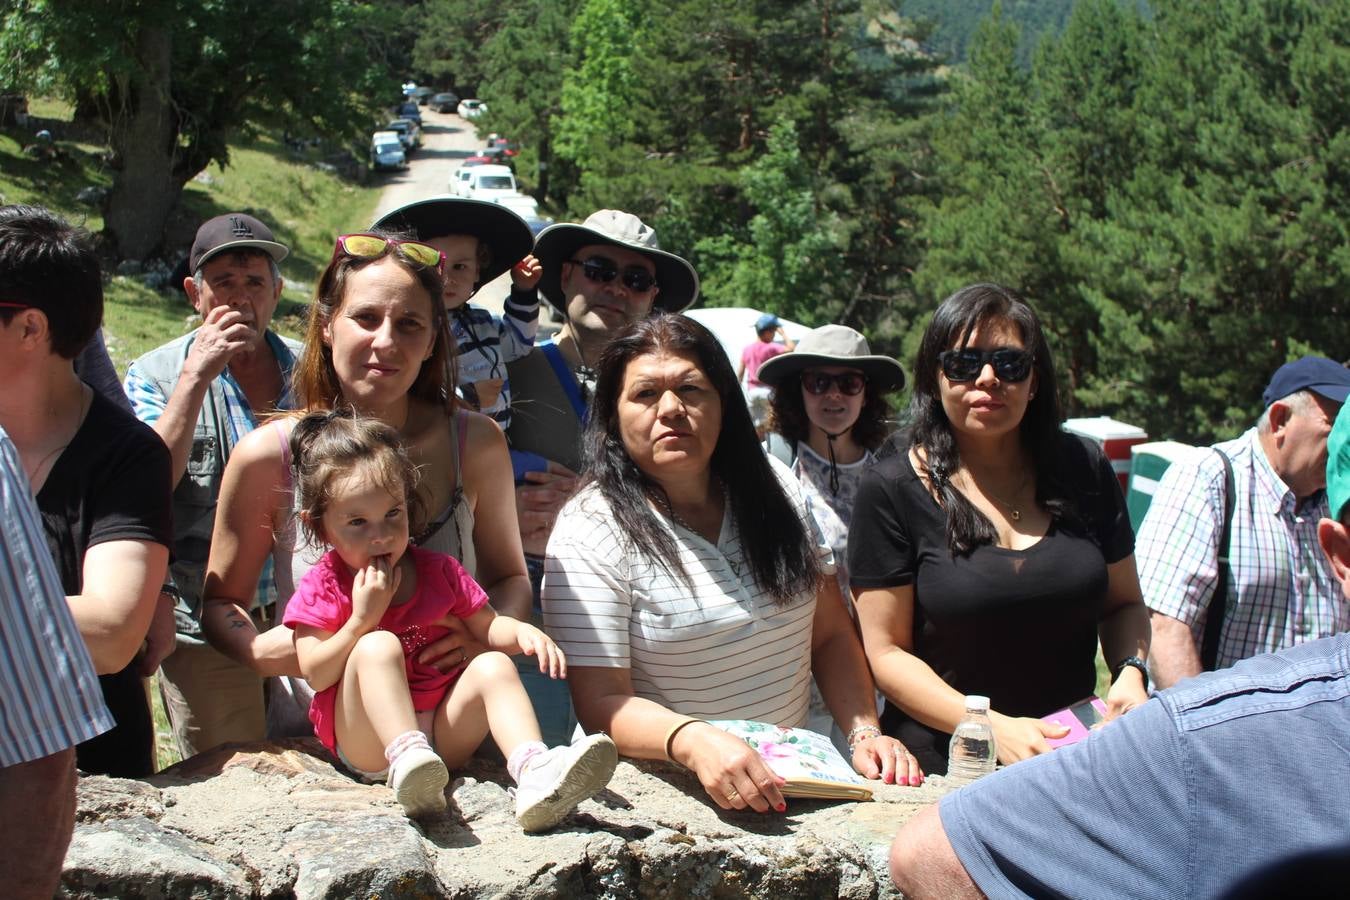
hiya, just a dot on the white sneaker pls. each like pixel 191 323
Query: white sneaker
pixel 418 779
pixel 556 780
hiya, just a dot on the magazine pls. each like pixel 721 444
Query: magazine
pixel 810 763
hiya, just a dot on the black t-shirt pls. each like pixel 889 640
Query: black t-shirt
pixel 1019 626
pixel 112 483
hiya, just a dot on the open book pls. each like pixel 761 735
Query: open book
pixel 809 762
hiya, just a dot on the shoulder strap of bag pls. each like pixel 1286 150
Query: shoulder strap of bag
pixel 1218 606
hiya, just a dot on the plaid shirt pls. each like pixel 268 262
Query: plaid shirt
pixel 1281 590
pixel 148 402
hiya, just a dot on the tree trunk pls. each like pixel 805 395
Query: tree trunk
pixel 144 135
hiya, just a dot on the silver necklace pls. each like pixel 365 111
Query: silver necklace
pixel 1014 512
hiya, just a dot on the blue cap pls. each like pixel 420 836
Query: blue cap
pixel 768 320
pixel 1318 374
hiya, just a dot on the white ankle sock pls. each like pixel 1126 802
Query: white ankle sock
pixel 515 763
pixel 404 741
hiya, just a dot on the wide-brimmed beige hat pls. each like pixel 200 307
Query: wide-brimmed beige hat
pixel 556 244
pixel 834 345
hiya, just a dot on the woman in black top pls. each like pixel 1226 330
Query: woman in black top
pixel 991 550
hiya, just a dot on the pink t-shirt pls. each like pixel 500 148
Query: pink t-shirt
pixel 323 599
pixel 754 355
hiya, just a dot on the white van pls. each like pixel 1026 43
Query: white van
pixel 489 183
pixel 386 151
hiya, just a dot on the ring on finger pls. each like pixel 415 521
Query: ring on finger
pixel 733 795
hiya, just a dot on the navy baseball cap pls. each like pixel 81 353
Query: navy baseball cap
pixel 768 320
pixel 1324 377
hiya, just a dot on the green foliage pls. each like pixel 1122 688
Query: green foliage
pixel 173 81
pixel 1170 194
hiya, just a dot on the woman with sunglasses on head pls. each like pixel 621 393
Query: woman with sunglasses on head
pixel 992 551
pixel 685 581
pixel 377 340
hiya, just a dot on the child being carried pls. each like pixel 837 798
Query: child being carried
pixel 366 609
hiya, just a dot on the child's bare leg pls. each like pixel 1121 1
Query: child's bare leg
pixel 374 704
pixel 488 697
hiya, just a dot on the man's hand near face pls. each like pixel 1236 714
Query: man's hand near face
pixel 224 333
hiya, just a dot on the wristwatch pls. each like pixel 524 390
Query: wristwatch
pixel 1133 662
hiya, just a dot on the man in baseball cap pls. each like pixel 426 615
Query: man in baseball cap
pixel 202 393
pixel 1280 590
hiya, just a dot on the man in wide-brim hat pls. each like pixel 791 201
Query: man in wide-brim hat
pixel 602 276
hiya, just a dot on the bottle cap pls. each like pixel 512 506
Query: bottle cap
pixel 976 702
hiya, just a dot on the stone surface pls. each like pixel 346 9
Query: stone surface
pixel 280 820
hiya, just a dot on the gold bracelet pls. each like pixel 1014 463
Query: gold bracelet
pixel 674 730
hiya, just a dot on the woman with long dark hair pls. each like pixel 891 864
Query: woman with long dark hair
pixel 684 582
pixel 992 551
pixel 378 341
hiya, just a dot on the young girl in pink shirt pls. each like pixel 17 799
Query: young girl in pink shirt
pixel 363 613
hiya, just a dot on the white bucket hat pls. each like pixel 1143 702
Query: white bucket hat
pixel 676 278
pixel 834 345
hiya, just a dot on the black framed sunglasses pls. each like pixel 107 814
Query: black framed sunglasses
pixel 1009 364
pixel 850 383
pixel 603 270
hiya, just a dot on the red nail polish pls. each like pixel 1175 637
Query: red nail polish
pixel 782 807
pixel 915 780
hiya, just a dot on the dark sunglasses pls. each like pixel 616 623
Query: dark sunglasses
pixel 966 365
pixel 602 270
pixel 372 246
pixel 850 383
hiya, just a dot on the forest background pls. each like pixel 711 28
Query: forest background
pixel 1168 185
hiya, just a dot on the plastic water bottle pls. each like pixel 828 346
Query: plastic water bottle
pixel 972 752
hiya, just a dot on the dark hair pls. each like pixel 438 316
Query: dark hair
pixel 314 378
pixel 775 541
pixel 787 414
pixel 330 444
pixel 50 265
pixel 952 324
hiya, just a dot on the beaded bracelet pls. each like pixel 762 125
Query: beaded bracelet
pixel 674 730
pixel 862 733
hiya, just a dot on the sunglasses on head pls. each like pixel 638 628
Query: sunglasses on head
pixel 849 383
pixel 372 246
pixel 603 270
pixel 966 365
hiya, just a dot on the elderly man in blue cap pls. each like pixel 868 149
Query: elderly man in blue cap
pixel 1269 485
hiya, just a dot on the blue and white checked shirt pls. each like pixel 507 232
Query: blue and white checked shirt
pixel 50 698
pixel 148 403
pixel 1281 590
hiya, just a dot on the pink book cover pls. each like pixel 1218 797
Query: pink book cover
pixel 1080 717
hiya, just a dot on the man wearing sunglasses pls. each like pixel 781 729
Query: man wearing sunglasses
pixel 601 276
pixel 1280 590
pixel 202 393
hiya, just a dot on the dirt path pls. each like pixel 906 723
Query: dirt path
pixel 446 141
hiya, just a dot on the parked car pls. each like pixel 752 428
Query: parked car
pixel 522 205
pixel 497 156
pixel 505 145
pixel 490 182
pixel 422 94
pixel 386 151
pixel 471 109
pixel 409 110
pixel 537 223
pixel 459 181
pixel 479 159
pixel 444 103
pixel 408 132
